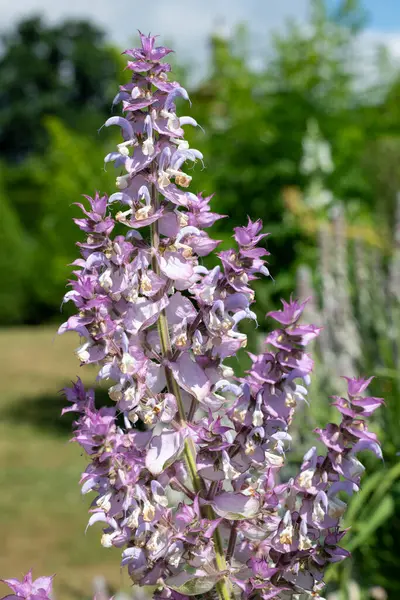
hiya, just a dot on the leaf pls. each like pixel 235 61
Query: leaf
pixel 358 501
pixel 368 498
pixel 367 528
pixel 388 478
pixel 235 506
pixel 189 585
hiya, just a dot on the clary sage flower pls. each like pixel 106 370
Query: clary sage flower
pixel 186 464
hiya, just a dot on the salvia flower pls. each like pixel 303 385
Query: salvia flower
pixel 29 589
pixel 186 464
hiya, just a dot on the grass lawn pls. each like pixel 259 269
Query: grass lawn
pixel 43 515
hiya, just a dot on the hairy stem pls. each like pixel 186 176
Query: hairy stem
pixel 223 586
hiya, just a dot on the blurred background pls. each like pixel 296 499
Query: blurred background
pixel 300 103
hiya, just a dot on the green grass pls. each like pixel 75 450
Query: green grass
pixel 42 512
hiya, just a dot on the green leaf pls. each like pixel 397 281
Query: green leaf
pixel 387 480
pixel 367 501
pixel 185 583
pixel 359 501
pixel 367 528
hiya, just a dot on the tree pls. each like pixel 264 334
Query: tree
pixel 15 263
pixel 255 121
pixel 37 207
pixel 66 70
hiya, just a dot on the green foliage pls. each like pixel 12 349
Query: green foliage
pixel 356 293
pixel 65 70
pixel 15 262
pixel 73 166
pixel 255 121
pixel 370 511
pixel 38 210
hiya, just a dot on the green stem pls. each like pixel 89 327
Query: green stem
pixel 224 587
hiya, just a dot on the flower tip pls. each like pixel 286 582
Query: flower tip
pixel 357 385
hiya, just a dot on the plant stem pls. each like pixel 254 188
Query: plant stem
pixel 232 542
pixel 223 586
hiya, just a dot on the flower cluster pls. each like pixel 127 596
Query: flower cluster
pixel 27 589
pixel 297 533
pixel 185 464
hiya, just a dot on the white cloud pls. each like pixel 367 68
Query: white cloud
pixel 391 40
pixel 186 22
pixel 369 64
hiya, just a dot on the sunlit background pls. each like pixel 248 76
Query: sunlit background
pixel 300 105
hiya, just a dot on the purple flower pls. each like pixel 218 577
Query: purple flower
pixel 38 589
pixel 290 313
pixel 357 386
pixel 248 236
pixel 158 325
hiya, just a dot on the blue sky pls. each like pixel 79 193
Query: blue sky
pixel 384 14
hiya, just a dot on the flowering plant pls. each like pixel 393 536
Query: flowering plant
pixel 186 465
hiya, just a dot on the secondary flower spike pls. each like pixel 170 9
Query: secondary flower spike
pixel 29 589
pixel 185 462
